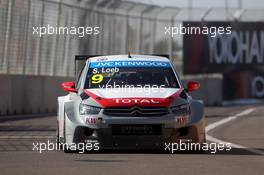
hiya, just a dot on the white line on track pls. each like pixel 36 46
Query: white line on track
pixel 226 120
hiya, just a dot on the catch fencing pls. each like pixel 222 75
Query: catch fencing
pixel 124 26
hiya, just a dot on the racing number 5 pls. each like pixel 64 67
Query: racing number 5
pixel 97 78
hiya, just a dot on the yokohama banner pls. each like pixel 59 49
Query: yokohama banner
pixel 241 49
pixel 238 55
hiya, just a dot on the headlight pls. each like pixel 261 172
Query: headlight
pixel 86 109
pixel 181 109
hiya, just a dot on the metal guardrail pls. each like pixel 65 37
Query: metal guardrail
pixel 124 26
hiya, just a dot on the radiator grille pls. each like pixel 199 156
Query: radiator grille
pixel 136 111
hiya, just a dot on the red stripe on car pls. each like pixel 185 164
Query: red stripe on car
pixel 129 102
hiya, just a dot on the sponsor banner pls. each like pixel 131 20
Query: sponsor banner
pixel 242 49
pixel 107 64
pixel 243 84
pixel 257 86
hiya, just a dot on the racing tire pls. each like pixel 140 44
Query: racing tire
pixel 200 151
pixel 58 137
pixel 66 149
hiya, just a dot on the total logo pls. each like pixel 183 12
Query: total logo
pixel 136 100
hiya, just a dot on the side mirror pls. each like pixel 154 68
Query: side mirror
pixel 69 86
pixel 193 86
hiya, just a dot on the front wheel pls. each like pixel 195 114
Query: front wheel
pixel 65 148
pixel 58 136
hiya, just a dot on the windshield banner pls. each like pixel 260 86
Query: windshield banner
pixel 106 64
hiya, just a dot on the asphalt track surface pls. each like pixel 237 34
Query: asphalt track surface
pixel 242 126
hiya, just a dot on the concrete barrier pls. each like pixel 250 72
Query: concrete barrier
pixel 5 95
pixel 211 91
pixel 24 94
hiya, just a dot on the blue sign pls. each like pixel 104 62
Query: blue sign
pixel 107 64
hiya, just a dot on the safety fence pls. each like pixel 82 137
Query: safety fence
pixel 123 26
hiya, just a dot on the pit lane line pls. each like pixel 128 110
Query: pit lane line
pixel 226 120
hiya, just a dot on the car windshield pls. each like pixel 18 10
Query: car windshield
pixel 114 77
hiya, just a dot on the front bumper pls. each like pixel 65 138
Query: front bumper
pixel 168 135
pixel 78 131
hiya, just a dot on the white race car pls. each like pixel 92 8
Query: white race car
pixel 131 102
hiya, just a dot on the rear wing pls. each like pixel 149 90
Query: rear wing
pixel 80 61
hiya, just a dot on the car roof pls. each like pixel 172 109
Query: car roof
pixel 126 58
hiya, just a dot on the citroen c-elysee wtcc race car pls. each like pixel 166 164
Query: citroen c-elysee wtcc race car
pixel 129 101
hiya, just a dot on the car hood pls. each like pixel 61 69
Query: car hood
pixel 150 97
pixel 134 92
